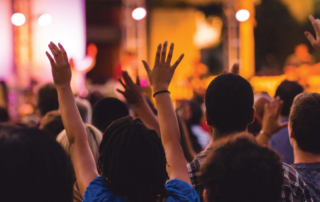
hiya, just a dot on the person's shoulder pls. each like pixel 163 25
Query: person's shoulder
pixel 98 190
pixel 294 188
pixel 179 190
pixel 198 161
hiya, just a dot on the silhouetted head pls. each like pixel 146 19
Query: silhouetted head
pixel 107 110
pixel 242 170
pixel 52 124
pixel 47 99
pixel 304 124
pixel 132 161
pixel 33 166
pixel 229 104
pixel 287 91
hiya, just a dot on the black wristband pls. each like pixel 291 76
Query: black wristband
pixel 163 91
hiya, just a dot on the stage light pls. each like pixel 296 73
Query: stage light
pixel 139 13
pixel 18 19
pixel 242 15
pixel 44 20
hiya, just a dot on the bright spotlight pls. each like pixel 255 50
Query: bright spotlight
pixel 242 15
pixel 18 19
pixel 44 20
pixel 139 13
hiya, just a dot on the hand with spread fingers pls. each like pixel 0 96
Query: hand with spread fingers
pixel 132 91
pixel 161 74
pixel 315 42
pixel 271 117
pixel 60 67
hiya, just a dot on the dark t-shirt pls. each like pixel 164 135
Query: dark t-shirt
pixel 310 173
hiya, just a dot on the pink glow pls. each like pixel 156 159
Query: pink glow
pixel 6 39
pixel 67 27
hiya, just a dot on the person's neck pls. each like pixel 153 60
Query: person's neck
pixel 304 157
pixel 214 134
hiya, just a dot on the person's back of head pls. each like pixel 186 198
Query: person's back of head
pixel 287 91
pixel 304 122
pixel 133 161
pixel 33 167
pixel 94 140
pixel 229 104
pixel 241 170
pixel 196 113
pixel 47 99
pixel 107 110
pixel 85 110
pixel 51 123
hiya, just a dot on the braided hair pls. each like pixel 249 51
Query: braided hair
pixel 132 161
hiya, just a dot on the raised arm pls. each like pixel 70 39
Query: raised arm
pixel 271 121
pixel 134 96
pixel 160 77
pixel 82 158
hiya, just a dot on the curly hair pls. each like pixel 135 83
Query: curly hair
pixel 241 170
pixel 132 161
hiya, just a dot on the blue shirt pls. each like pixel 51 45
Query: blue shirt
pixel 281 143
pixel 310 173
pixel 178 191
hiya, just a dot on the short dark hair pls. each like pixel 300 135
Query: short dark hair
pixel 242 170
pixel 33 166
pixel 47 98
pixel 107 110
pixel 52 123
pixel 229 103
pixel 133 161
pixel 287 91
pixel 304 120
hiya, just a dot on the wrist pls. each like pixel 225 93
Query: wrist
pixel 62 87
pixel 160 88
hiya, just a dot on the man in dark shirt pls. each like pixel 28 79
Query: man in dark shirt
pixel 304 135
pixel 229 110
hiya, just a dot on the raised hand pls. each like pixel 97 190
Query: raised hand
pixel 271 116
pixel 132 91
pixel 161 74
pixel 60 67
pixel 315 42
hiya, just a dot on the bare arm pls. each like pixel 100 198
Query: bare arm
pixel 186 144
pixel 81 155
pixel 160 77
pixel 134 96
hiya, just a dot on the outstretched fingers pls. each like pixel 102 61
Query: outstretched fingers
pixel 174 66
pixel 146 66
pixel 164 52
pixel 50 59
pixel 63 51
pixel 158 53
pixel 315 24
pixel 170 54
pixel 121 82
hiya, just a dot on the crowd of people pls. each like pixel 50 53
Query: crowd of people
pixel 229 146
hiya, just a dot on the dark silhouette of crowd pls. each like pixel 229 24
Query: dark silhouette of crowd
pixel 224 147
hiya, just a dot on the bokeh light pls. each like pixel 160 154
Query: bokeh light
pixel 18 19
pixel 242 15
pixel 44 20
pixel 139 13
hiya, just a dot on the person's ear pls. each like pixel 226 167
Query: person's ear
pixel 208 118
pixel 205 198
pixel 291 132
pixel 252 116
